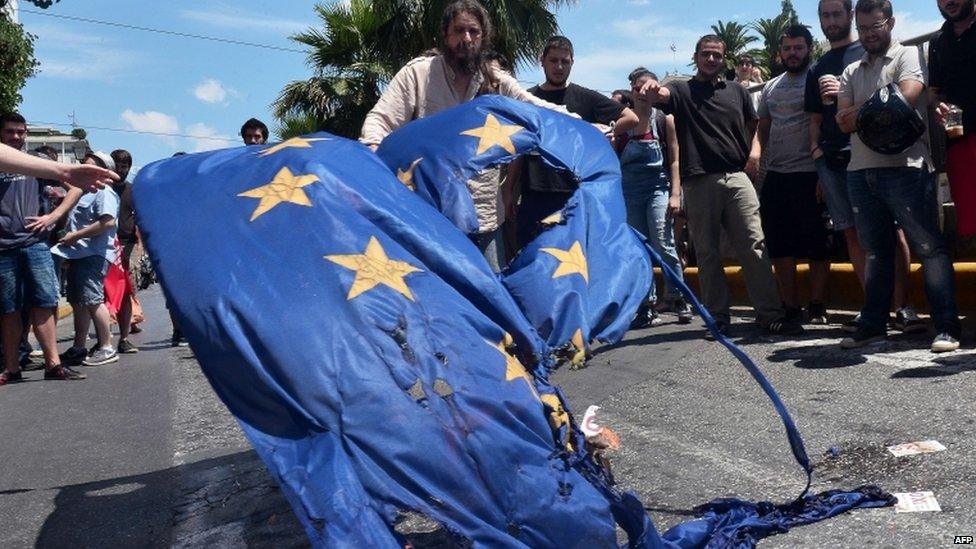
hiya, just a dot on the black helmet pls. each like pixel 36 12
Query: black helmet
pixel 887 123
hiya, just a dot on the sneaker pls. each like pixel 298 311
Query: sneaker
pixel 851 326
pixel 683 309
pixel 37 353
pixel 646 317
pixel 723 329
pixel 784 326
pixel 907 321
pixel 135 329
pixel 817 314
pixel 64 373
pixel 862 337
pixel 793 314
pixel 74 356
pixel 178 340
pixel 10 377
pixel 944 342
pixel 105 355
pixel 125 347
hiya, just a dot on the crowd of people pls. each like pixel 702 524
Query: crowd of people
pixel 69 230
pixel 698 149
pixel 694 149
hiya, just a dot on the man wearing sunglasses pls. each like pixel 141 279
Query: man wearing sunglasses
pixel 885 188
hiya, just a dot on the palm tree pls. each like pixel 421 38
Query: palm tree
pixel 770 31
pixel 361 44
pixel 736 38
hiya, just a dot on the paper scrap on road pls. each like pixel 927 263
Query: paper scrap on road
pixel 919 447
pixel 917 502
pixel 589 425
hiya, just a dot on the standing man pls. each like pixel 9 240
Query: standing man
pixel 460 71
pixel 716 125
pixel 952 80
pixel 790 211
pixel 885 188
pixel 27 278
pixel 831 150
pixel 254 132
pixel 543 190
pixel 128 238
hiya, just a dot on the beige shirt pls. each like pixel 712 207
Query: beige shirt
pixel 424 87
pixel 859 82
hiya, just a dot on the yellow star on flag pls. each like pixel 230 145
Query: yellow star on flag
pixel 373 268
pixel 285 187
pixel 571 261
pixel 494 133
pixel 513 368
pixel 406 177
pixel 293 143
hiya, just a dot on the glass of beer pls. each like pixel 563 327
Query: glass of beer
pixel 953 122
pixel 826 98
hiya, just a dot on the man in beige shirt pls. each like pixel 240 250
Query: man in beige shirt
pixel 432 83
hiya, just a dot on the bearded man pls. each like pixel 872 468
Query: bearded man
pixel 460 70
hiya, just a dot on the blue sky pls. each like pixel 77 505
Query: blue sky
pixel 127 79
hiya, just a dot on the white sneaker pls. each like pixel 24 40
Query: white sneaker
pixel 944 343
pixel 104 355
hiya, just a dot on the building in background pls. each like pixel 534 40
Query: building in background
pixel 71 147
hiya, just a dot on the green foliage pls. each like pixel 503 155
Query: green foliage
pixel 17 63
pixel 297 125
pixel 43 4
pixel 359 46
pixel 79 133
pixel 770 31
pixel 736 37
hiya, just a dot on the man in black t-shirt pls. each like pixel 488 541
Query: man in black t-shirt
pixel 952 80
pixel 544 190
pixel 716 125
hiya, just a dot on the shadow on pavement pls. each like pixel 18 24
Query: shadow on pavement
pixel 226 501
pixel 946 366
pixel 813 358
pixel 652 338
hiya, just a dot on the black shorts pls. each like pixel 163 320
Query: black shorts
pixel 792 219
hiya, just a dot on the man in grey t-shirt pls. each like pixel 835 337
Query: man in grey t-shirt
pixel 885 188
pixel 791 213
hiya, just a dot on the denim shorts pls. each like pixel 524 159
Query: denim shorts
pixel 833 183
pixel 27 278
pixel 86 280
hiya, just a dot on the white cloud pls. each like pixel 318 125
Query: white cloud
pixel 213 91
pixel 151 122
pixel 205 138
pixel 907 25
pixel 72 55
pixel 232 18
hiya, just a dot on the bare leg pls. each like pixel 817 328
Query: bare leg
pixel 818 280
pixel 102 320
pixel 12 327
pixel 856 252
pixel 125 317
pixel 902 269
pixel 45 329
pixel 82 320
pixel 786 275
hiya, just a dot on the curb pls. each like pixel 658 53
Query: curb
pixel 843 288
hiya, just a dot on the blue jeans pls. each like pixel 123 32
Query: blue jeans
pixel 879 198
pixel 27 279
pixel 646 190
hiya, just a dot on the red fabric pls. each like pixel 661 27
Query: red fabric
pixel 961 169
pixel 117 282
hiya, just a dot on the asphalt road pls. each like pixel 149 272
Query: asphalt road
pixel 142 454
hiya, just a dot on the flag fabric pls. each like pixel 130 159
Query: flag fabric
pixel 368 352
pixel 585 275
pixel 376 363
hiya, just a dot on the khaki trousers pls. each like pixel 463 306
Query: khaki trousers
pixel 728 200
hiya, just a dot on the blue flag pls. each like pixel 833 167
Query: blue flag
pixel 373 360
pixel 586 274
